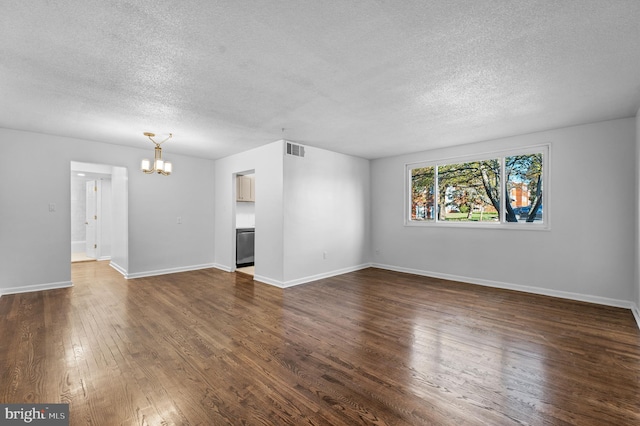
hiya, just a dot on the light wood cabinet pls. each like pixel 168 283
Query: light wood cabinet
pixel 245 188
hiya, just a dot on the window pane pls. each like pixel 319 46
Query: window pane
pixel 524 188
pixel 422 193
pixel 469 192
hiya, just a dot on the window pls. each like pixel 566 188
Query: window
pixel 504 188
pixel 524 187
pixel 422 193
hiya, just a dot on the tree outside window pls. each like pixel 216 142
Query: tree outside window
pixel 469 191
pixel 524 188
pixel 472 191
pixel 422 193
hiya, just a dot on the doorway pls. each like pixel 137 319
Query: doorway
pixel 245 221
pixel 96 226
pixel 90 216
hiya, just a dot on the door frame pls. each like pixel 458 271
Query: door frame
pixel 121 230
pixel 234 196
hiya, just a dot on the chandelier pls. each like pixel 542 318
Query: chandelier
pixel 159 166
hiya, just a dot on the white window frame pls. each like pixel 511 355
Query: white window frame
pixel 545 149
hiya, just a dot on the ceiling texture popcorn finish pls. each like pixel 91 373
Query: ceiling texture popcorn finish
pixel 367 78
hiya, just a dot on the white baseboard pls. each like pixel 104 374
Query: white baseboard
pixel 329 274
pixel 168 271
pixel 118 268
pixel 36 287
pixel 517 287
pixel 222 267
pixel 101 258
pixel 269 281
pixel 636 314
pixel 311 278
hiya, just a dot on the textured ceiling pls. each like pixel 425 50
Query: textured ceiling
pixel 370 78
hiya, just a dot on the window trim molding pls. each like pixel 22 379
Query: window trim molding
pixel 544 148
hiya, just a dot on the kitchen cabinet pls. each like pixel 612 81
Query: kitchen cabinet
pixel 245 188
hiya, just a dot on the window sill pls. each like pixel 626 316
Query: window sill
pixel 516 226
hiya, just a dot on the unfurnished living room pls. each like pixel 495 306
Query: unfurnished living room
pixel 320 212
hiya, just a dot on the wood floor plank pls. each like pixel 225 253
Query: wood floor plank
pixel 371 347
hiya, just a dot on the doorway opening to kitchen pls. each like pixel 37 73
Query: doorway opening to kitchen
pixel 245 221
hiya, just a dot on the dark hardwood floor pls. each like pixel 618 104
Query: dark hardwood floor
pixel 369 347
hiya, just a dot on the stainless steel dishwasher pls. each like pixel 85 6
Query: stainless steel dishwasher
pixel 245 245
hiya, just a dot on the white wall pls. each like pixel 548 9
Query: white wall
pixel 105 222
pixel 157 242
pixel 34 242
pixel 637 233
pixel 588 254
pixel 304 207
pixel 120 219
pixel 326 211
pixel 30 233
pixel 267 163
pixel 78 209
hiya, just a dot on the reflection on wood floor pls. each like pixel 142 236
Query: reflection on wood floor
pixel 368 347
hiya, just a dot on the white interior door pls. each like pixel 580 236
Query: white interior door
pixel 91 218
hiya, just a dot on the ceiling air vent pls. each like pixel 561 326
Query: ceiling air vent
pixel 295 150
